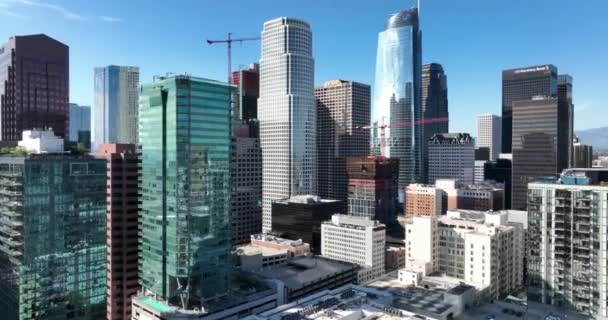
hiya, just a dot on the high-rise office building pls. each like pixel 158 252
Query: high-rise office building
pixel 372 188
pixel 434 103
pixel 116 105
pixel 246 175
pixel 342 107
pixel 397 130
pixel 80 121
pixel 536 144
pixel 122 227
pixel 247 82
pixel 185 189
pixel 523 84
pixel 287 113
pixel 500 170
pixel 566 120
pixel 489 134
pixel 52 244
pixel 340 233
pixel 567 242
pixel 34 86
pixel 582 154
pixel 451 156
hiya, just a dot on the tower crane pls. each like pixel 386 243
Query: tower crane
pixel 228 41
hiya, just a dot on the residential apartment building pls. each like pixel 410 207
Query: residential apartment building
pixel 424 200
pixel 355 240
pixel 567 241
pixel 451 156
pixel 121 227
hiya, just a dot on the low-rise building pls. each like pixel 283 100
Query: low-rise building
pixel 356 240
pixel 266 250
pixel 41 141
pixel 487 195
pixel 423 200
pixel 394 258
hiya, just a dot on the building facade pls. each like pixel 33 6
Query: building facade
pixel 185 189
pixel 52 244
pixel 372 188
pixel 479 175
pixel 247 82
pixel 523 84
pixel 424 200
pixel 567 243
pixel 451 156
pixel 434 101
pixel 33 69
pixel 565 134
pixel 500 171
pixel 489 129
pixel 355 240
pixel 287 113
pixel 582 154
pixel 121 228
pixel 397 130
pixel 343 107
pixel 116 105
pixel 246 175
pixel 80 121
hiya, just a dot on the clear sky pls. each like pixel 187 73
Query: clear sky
pixel 474 40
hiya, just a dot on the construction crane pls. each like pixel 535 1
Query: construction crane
pixel 228 41
pixel 382 127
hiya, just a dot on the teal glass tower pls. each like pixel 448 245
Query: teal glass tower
pixel 52 237
pixel 184 131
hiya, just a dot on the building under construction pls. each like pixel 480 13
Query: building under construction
pixel 372 188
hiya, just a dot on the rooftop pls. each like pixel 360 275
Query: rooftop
pixel 277 240
pixel 348 220
pixel 306 199
pixel 302 271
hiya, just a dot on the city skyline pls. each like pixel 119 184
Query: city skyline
pixel 492 42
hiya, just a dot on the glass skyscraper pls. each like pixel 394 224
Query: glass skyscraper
pixel 397 130
pixel 80 120
pixel 184 131
pixel 52 237
pixel 115 108
pixel 287 113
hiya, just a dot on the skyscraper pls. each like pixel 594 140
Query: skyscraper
pixel 34 86
pixel 80 120
pixel 451 156
pixel 52 244
pixel 185 189
pixel 434 106
pixel 122 227
pixel 523 84
pixel 566 119
pixel 247 82
pixel 287 113
pixel 116 102
pixel 342 107
pixel 582 154
pixel 397 131
pixel 488 134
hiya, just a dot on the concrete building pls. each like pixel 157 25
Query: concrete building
pixel 342 108
pixel 41 141
pixel 121 227
pixel 300 217
pixel 356 240
pixel 485 251
pixel 582 154
pixel 479 174
pixel 567 241
pixel 246 178
pixel 484 196
pixel 80 121
pixel 304 276
pixel 372 188
pixel 489 128
pixel 451 156
pixel 52 239
pixel 266 250
pixel 115 111
pixel 434 104
pixel 34 86
pixel 394 257
pixel 287 113
pixel 424 200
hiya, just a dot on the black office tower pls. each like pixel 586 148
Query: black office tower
pixel 434 107
pixel 566 119
pixel 524 84
pixel 500 170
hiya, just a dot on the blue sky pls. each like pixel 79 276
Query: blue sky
pixel 474 40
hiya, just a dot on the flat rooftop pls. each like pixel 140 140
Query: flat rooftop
pixel 251 250
pixel 504 310
pixel 302 271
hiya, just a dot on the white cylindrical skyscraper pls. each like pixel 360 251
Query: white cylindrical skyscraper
pixel 287 113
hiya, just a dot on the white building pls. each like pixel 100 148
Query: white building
pixel 451 156
pixel 479 174
pixel 568 241
pixel 489 128
pixel 484 250
pixel 287 113
pixel 355 240
pixel 41 141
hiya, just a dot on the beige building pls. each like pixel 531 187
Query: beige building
pixel 267 250
pixel 482 196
